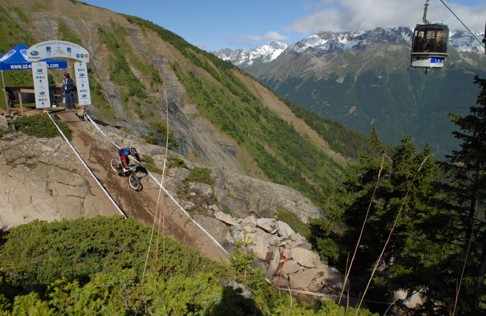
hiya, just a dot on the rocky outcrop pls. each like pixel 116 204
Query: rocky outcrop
pixel 6 120
pixel 246 196
pixel 285 255
pixel 41 179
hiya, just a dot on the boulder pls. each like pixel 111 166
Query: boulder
pixel 214 208
pixel 302 279
pixel 281 281
pixel 284 229
pixel 41 180
pixel 268 224
pixel 250 220
pixel 239 288
pixel 320 279
pixel 3 123
pixel 218 229
pixel 245 195
pixel 296 240
pixel 290 267
pixel 304 257
pixel 331 278
pixel 260 242
pixel 225 218
pixel 411 301
pixel 273 266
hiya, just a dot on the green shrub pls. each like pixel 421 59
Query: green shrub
pixel 95 267
pixel 149 163
pixel 201 175
pixel 225 208
pixel 176 162
pixel 40 253
pixel 40 125
pixel 294 222
pixel 158 135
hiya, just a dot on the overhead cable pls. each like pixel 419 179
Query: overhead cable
pixel 474 36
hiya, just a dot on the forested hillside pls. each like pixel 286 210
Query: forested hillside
pixel 364 80
pixel 412 222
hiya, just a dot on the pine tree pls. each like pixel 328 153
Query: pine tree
pixel 466 187
pixel 393 190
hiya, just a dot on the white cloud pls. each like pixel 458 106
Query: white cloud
pixel 274 36
pixel 349 15
pixel 269 36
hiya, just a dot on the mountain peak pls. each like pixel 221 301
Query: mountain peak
pixel 331 42
pixel 342 41
pixel 262 54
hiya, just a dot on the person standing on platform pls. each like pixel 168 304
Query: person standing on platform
pixel 68 90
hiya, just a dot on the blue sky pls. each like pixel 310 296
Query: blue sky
pixel 217 24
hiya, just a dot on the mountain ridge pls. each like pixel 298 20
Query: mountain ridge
pixel 329 42
pixel 364 80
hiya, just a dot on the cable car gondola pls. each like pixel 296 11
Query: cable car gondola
pixel 429 44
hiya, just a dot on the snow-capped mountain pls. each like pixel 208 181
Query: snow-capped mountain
pixel 331 42
pixel 263 54
pixel 463 41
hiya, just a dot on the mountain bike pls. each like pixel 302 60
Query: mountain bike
pixel 135 172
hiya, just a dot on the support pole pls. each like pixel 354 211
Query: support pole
pixel 21 103
pixel 5 93
pixel 424 18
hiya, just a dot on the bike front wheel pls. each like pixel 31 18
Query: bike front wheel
pixel 115 165
pixel 134 182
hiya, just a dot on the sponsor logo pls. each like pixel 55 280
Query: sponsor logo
pixel 84 95
pixel 40 70
pixel 81 56
pixel 42 93
pixel 34 53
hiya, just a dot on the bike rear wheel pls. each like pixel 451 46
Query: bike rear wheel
pixel 134 182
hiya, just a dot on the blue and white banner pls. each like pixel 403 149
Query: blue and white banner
pixel 41 85
pixel 63 49
pixel 82 83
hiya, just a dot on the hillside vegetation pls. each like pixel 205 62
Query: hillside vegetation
pixel 111 266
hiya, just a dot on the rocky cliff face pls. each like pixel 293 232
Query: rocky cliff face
pixel 42 180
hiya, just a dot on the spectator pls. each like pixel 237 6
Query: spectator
pixel 68 90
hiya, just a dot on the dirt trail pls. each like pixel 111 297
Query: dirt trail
pixel 139 205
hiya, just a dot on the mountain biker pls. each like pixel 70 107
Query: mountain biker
pixel 125 161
